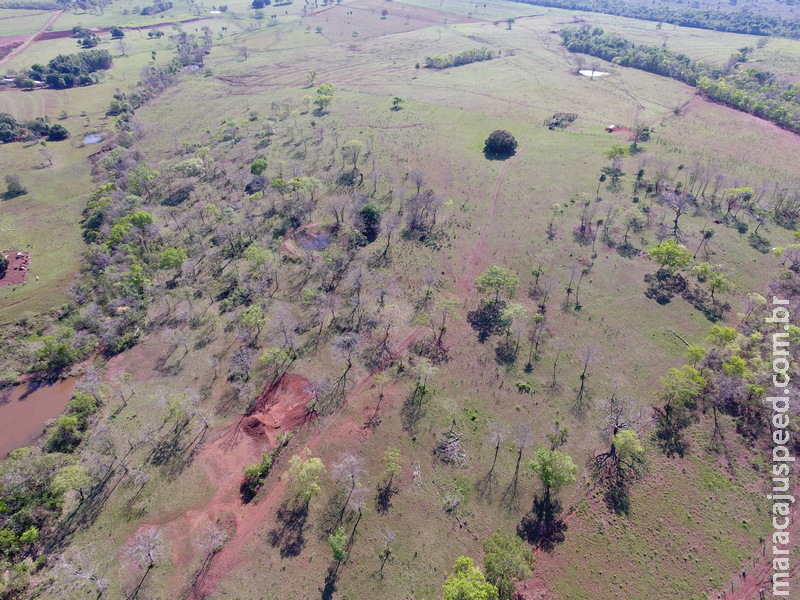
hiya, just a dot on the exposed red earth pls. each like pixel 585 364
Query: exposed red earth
pixel 19 264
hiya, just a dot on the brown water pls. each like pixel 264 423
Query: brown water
pixel 25 408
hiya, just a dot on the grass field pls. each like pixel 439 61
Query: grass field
pixel 694 520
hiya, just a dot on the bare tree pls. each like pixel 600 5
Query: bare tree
pixel 497 434
pixel 588 355
pixel 147 548
pixel 81 569
pixel 418 178
pixel 523 438
pixel 210 539
pixel 679 202
pixel 386 538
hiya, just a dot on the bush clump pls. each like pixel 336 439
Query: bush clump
pixel 500 143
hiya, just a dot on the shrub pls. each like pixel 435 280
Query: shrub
pixel 500 143
pixel 56 133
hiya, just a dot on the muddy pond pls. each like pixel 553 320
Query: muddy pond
pixel 25 408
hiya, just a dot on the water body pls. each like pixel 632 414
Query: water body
pixel 589 73
pixel 25 408
pixel 93 138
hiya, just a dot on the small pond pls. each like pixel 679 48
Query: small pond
pixel 93 138
pixel 589 73
pixel 25 408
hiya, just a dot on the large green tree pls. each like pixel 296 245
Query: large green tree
pixel 508 559
pixel 671 256
pixel 555 469
pixel 500 280
pixel 468 583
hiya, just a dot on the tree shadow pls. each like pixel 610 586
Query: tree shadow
pixel 543 526
pixel 663 287
pixel 489 155
pixel 287 536
pixel 505 353
pixel 383 499
pixel 670 423
pixel 702 301
pixel 413 409
pixel 431 348
pixel 330 582
pixel 487 320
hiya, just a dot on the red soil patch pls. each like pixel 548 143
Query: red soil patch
pixel 281 407
pixel 9 42
pixel 54 35
pixel 19 264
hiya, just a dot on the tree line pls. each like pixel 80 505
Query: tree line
pixel 750 90
pixel 462 58
pixel 733 22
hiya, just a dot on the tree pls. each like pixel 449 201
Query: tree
pixel 171 258
pixel 351 152
pixel 312 75
pixel 56 133
pixel 500 143
pixel 499 280
pixel 303 475
pixel 554 468
pixel 147 548
pixel 695 353
pixel 369 217
pixel 508 559
pixel 117 33
pixel 14 186
pixel 258 166
pixel 468 583
pixel 3 264
pixel 671 256
pixel 72 477
pixel 397 103
pixel 384 13
pixel 337 542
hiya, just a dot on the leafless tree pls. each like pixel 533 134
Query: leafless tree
pixel 81 569
pixel 620 413
pixel 389 224
pixel 47 154
pixel 210 539
pixel 679 202
pixel 588 355
pixel 146 550
pixel 418 178
pixel 386 538
pixel 523 437
pixel 497 435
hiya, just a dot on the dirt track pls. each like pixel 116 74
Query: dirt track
pixel 32 38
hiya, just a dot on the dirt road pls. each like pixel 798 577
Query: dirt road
pixel 32 38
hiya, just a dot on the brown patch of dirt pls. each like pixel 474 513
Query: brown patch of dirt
pixel 281 407
pixel 9 42
pixel 19 265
